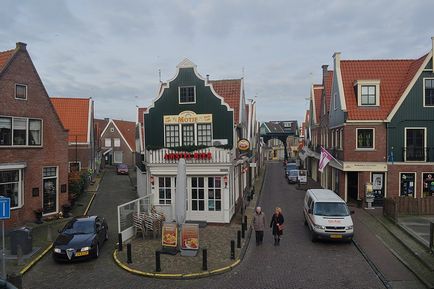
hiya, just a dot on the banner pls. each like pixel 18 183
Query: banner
pixel 324 159
pixel 169 236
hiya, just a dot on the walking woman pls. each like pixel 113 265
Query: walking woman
pixel 277 225
pixel 259 225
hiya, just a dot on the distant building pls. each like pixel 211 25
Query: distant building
pixel 283 138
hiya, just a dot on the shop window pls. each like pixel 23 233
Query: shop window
pixel 407 184
pixel 204 134
pixel 197 194
pixel 172 135
pixel 214 193
pixel 11 186
pixel 428 184
pixel 165 190
pixel 365 138
pixel 49 183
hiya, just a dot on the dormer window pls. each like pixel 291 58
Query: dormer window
pixel 368 92
pixel 187 94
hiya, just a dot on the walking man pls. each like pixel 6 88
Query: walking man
pixel 259 225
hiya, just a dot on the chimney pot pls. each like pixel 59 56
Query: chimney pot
pixel 21 46
pixel 207 78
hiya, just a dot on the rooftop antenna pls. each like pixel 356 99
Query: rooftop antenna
pixel 159 74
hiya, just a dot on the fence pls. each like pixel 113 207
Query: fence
pixel 126 211
pixel 398 206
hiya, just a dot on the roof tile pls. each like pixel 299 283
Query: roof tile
pixel 230 90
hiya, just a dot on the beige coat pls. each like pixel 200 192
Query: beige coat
pixel 259 221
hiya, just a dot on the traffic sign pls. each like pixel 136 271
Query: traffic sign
pixel 5 208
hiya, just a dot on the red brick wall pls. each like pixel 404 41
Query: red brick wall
pixel 393 179
pixel 350 144
pixel 128 155
pixel 83 153
pixel 55 148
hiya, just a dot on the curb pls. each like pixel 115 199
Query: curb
pixel 89 204
pixel 416 238
pixel 175 276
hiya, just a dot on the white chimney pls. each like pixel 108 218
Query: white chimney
pixel 432 52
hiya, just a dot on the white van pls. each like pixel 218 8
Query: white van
pixel 327 216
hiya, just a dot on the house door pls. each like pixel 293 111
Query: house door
pixel 352 185
pixel 49 178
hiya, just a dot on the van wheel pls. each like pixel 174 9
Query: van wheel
pixel 313 237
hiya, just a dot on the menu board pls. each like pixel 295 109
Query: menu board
pixel 169 236
pixel 190 237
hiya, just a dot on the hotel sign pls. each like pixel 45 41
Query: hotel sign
pixel 187 117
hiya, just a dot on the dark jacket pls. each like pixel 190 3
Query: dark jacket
pixel 277 219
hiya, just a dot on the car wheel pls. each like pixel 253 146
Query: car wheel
pixel 97 251
pixel 313 237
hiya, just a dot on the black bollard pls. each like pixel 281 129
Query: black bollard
pixel 243 233
pixel 431 237
pixel 119 242
pixel 157 261
pixel 238 239
pixel 204 259
pixel 245 222
pixel 232 249
pixel 129 261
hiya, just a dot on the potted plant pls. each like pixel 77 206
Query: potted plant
pixel 38 214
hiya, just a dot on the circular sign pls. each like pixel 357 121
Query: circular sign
pixel 243 144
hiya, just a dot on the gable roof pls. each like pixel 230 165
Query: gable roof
pixel 394 77
pixel 75 114
pixel 328 82
pixel 316 108
pixel 128 131
pixel 230 90
pixel 5 57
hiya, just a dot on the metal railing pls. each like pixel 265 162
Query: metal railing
pixel 206 155
pixel 415 154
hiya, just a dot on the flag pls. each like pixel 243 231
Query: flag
pixel 324 159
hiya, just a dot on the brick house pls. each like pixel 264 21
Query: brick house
pixel 77 116
pixel 118 142
pixel 33 141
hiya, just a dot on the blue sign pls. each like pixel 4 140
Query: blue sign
pixel 5 208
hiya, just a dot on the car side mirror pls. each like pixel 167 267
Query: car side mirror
pixel 310 211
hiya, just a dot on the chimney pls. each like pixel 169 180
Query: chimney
pixel 337 61
pixel 432 52
pixel 324 72
pixel 21 46
pixel 207 78
pixel 106 119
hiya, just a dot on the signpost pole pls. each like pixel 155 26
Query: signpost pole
pixel 5 213
pixel 3 251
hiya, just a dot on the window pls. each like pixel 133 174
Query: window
pixel 368 95
pixel 5 131
pixel 187 94
pixel 172 135
pixel 20 91
pixel 117 157
pixel 49 180
pixel 365 138
pixel 10 186
pixel 204 134
pixel 197 194
pixel 117 142
pixel 407 184
pixel 35 132
pixel 214 194
pixel 74 166
pixel 287 124
pixel 165 190
pixel 108 142
pixel 19 131
pixel 429 92
pixel 188 134
pixel 414 144
pixel 112 129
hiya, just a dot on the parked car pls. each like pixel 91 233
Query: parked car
pixel 122 169
pixel 327 216
pixel 289 167
pixel 293 176
pixel 81 238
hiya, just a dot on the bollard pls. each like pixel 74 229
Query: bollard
pixel 245 222
pixel 157 261
pixel 431 236
pixel 129 261
pixel 243 234
pixel 238 239
pixel 204 259
pixel 232 249
pixel 119 242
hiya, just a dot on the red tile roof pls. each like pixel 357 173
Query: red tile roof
pixel 140 112
pixel 328 82
pixel 230 90
pixel 317 92
pixel 128 130
pixel 394 76
pixel 74 114
pixel 5 56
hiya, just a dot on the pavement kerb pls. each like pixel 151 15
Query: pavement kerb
pixel 405 230
pixel 89 204
pixel 196 275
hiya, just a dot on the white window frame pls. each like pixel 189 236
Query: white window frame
pixel 57 189
pixel 26 145
pixel 24 85
pixel 423 90
pixel 179 94
pixel 415 182
pixel 107 140
pixel 360 83
pixel 166 201
pixel 116 142
pixel 74 162
pixel 357 139
pixel 424 143
pixel 20 187
pixel 179 134
pixel 196 140
pixel 114 157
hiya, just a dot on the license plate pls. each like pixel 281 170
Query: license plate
pixel 336 236
pixel 84 253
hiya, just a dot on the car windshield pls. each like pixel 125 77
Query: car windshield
pixel 330 209
pixel 293 173
pixel 123 166
pixel 291 167
pixel 79 227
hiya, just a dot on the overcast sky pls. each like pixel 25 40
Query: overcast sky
pixel 112 50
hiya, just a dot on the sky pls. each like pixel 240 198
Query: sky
pixel 113 50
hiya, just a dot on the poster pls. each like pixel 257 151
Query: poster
pixel 190 237
pixel 169 236
pixel 377 182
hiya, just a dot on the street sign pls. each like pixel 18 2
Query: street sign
pixel 5 208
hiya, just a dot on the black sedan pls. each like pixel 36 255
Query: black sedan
pixel 81 238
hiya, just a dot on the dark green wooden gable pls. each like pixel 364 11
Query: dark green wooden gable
pixel 412 113
pixel 206 103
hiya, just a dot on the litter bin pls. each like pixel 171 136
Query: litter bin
pixel 22 237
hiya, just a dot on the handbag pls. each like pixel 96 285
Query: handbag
pixel 281 227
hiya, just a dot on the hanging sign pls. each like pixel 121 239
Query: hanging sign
pixel 169 236
pixel 243 145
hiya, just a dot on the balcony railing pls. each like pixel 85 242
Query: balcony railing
pixel 206 155
pixel 415 154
